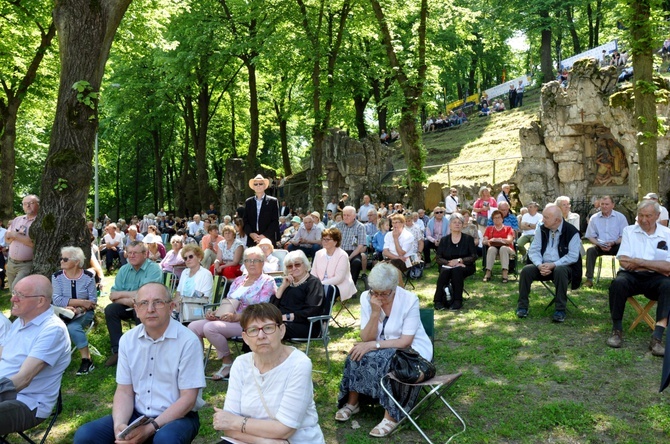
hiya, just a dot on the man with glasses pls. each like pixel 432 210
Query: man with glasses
pixel 436 229
pixel 307 239
pixel 645 266
pixel 261 213
pixel 138 271
pixel 33 356
pixel 160 376
pixel 21 246
pixel 451 203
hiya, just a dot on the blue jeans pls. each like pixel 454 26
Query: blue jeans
pixel 76 329
pixel 179 431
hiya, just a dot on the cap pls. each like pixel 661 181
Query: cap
pixel 651 196
pixel 296 220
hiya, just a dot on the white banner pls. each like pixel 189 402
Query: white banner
pixel 596 53
pixel 501 90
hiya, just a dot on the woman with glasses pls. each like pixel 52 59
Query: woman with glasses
pixel 196 280
pixel 270 395
pixel 228 258
pixel 456 256
pixel 251 288
pixel 499 239
pixel 271 264
pixel 331 264
pixel 389 320
pixel 173 257
pixel 74 289
pixel 299 296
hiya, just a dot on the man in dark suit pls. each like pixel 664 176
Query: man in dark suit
pixel 284 209
pixel 261 213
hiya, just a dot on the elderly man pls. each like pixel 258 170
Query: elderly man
pixel 160 376
pixel 508 218
pixel 33 356
pixel 353 240
pixel 364 209
pixel 307 239
pixel 663 218
pixel 196 228
pixel 528 225
pixel 138 271
pixel 645 266
pixel 451 202
pixel 554 255
pixel 504 195
pixel 604 232
pixel 261 213
pixel 436 229
pixel 21 246
pixel 371 226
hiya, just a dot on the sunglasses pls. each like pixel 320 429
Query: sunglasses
pixel 190 256
pixel 292 266
pixel 439 212
pixel 258 184
pixel 63 259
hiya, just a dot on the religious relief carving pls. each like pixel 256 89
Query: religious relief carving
pixel 611 164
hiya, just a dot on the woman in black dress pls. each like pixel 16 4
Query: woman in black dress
pixel 456 256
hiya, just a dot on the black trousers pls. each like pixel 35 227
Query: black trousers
pixel 654 286
pixel 592 255
pixel 456 277
pixel 561 276
pixel 355 266
pixel 114 314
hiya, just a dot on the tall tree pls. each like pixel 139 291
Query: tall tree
pixel 85 33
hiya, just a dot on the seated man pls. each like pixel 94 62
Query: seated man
pixel 604 231
pixel 113 246
pixel 528 225
pixel 509 219
pixel 554 255
pixel 160 376
pixel 138 271
pixel 307 239
pixel 645 266
pixel 33 356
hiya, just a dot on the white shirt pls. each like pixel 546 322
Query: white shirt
pixel 287 390
pixel 2 237
pixel 44 338
pixel 664 214
pixel 406 241
pixel 201 281
pixel 158 370
pixel 637 244
pixel 534 220
pixel 194 228
pixel 451 204
pixel 5 325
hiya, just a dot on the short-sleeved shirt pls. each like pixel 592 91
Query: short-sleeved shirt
pixel 406 241
pixel 17 250
pixel 355 232
pixel 44 338
pixel 533 220
pixel 201 281
pixel 228 254
pixel 637 244
pixel 129 279
pixel 158 370
pixel 314 235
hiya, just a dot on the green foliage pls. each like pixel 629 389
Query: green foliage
pixel 85 94
pixel 61 184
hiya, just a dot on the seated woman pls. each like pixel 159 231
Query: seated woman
pixel 331 265
pixel 195 278
pixel 155 249
pixel 389 320
pixel 228 258
pixel 271 264
pixel 500 240
pixel 252 288
pixel 270 395
pixel 299 296
pixel 74 289
pixel 470 228
pixel 399 243
pixel 173 257
pixel 456 256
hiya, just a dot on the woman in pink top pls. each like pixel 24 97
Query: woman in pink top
pixel 331 264
pixel 483 207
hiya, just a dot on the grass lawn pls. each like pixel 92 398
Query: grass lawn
pixel 524 381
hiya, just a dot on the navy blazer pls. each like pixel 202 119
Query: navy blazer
pixel 268 222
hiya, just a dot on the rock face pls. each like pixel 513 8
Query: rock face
pixel 585 142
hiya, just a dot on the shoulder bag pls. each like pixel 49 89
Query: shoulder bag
pixel 408 366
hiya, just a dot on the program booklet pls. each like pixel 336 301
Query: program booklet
pixel 139 422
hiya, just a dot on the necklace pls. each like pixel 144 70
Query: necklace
pixel 301 281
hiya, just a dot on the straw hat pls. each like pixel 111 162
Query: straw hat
pixel 259 178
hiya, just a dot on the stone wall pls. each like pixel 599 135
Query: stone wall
pixel 585 141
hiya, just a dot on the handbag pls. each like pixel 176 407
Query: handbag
pixel 228 305
pixel 193 309
pixel 408 366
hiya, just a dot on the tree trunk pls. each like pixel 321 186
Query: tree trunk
pixel 252 162
pixel 233 143
pixel 546 64
pixel 158 159
pixel 8 113
pixel 118 182
pixel 85 32
pixel 599 17
pixel 283 136
pixel 360 103
pixel 589 17
pixel 645 100
pixel 576 45
pixel 380 92
pixel 410 137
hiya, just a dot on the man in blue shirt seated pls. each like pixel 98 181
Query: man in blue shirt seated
pixel 554 255
pixel 509 219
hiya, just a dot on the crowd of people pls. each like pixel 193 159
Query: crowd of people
pixel 160 371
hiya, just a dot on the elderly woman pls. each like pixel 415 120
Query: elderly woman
pixel 331 264
pixel 483 208
pixel 299 296
pixel 113 246
pixel 389 320
pixel 252 288
pixel 173 257
pixel 270 395
pixel 456 256
pixel 74 289
pixel 155 249
pixel 271 264
pixel 399 243
pixel 499 239
pixel 228 258
pixel 195 277
pixel 563 202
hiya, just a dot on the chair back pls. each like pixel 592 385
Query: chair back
pixel 219 287
pixel 171 281
pixel 280 255
pixel 428 321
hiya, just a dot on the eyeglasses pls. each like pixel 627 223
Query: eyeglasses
pixel 326 238
pixel 292 266
pixel 253 261
pixel 175 242
pixel 144 305
pixel 21 297
pixel 381 295
pixel 190 256
pixel 258 184
pixel 63 259
pixel 268 329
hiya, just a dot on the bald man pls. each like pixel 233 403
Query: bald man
pixel 33 356
pixel 553 256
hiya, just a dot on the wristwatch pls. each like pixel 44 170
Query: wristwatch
pixel 378 345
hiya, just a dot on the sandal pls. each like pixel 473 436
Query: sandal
pixel 223 373
pixel 384 428
pixel 486 278
pixel 345 412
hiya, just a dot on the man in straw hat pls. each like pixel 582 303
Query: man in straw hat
pixel 261 213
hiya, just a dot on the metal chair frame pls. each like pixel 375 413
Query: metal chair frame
pixel 58 408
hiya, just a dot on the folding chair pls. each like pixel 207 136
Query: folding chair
pixel 324 318
pixel 171 281
pixel 343 306
pixel 219 287
pixel 58 408
pixel 552 291
pixel 600 266
pixel 642 313
pixel 431 389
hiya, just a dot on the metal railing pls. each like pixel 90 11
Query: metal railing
pixel 455 164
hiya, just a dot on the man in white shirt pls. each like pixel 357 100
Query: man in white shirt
pixel 451 203
pixel 160 376
pixel 528 225
pixel 504 194
pixel 33 356
pixel 364 209
pixel 196 228
pixel 663 218
pixel 645 266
